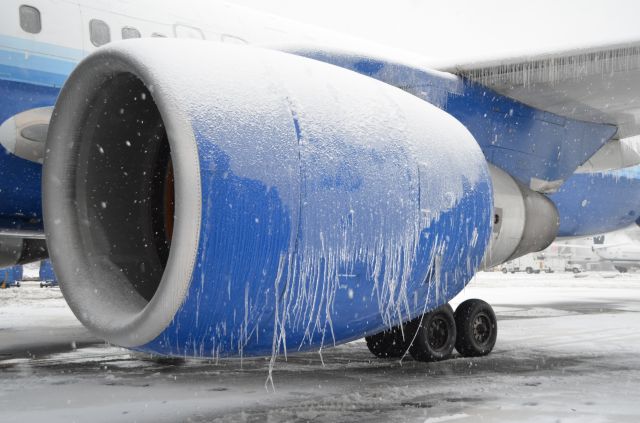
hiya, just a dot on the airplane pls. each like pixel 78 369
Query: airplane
pixel 618 248
pixel 214 181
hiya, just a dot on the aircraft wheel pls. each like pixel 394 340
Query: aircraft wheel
pixel 529 270
pixel 435 335
pixel 477 328
pixel 504 270
pixel 387 344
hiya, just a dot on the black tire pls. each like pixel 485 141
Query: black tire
pixel 387 344
pixel 504 270
pixel 477 328
pixel 434 335
pixel 529 270
pixel 576 270
pixel 621 269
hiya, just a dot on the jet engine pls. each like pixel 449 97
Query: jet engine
pixel 216 200
pixel 524 220
pixel 15 249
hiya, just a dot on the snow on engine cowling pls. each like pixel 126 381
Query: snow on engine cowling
pixel 240 200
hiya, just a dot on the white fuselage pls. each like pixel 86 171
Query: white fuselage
pixel 68 27
pixel 621 253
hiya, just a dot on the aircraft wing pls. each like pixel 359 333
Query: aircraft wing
pixel 598 84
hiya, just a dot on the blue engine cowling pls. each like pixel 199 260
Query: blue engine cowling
pixel 215 200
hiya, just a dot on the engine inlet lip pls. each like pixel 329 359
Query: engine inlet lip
pixel 92 295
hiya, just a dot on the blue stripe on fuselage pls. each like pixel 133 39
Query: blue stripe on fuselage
pixel 33 68
pixel 38 47
pixel 13 67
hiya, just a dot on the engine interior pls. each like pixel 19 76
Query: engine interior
pixel 124 155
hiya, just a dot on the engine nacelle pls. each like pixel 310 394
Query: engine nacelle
pixel 212 200
pixel 17 250
pixel 524 220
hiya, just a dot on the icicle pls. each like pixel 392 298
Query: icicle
pixel 556 69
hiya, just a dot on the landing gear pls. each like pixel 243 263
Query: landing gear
pixel 388 344
pixel 434 335
pixel 472 330
pixel 477 328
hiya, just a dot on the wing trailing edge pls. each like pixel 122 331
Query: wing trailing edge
pixel 600 84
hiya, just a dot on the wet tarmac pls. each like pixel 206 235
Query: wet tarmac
pixel 567 351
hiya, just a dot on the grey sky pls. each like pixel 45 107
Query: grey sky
pixel 470 29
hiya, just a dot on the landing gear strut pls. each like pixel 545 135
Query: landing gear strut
pixel 472 330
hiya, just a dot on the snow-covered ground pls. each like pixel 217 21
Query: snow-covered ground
pixel 568 351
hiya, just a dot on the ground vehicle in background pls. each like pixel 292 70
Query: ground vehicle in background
pixel 10 277
pixel 47 277
pixel 573 267
pixel 510 267
pixel 532 263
